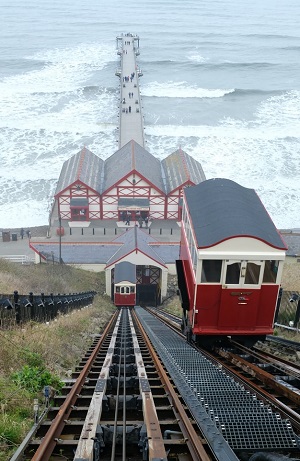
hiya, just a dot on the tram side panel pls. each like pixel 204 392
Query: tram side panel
pixel 226 311
pixel 186 280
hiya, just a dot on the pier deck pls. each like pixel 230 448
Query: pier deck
pixel 131 124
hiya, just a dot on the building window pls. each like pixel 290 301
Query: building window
pixel 233 273
pixel 252 274
pixel 270 272
pixel 211 271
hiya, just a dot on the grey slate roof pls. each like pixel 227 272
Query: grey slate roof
pixel 221 209
pixel 166 175
pixel 83 166
pixel 132 157
pixel 169 253
pixel 293 242
pixel 135 239
pixel 179 168
pixel 110 252
pixel 78 253
pixel 125 271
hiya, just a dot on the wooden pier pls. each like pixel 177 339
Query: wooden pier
pixel 131 124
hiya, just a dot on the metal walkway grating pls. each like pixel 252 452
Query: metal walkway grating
pixel 245 422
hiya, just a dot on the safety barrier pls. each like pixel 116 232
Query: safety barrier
pixel 21 259
pixel 18 309
pixel 288 311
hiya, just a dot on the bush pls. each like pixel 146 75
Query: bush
pixel 34 379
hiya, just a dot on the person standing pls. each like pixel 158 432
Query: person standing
pixel 128 217
pixel 22 233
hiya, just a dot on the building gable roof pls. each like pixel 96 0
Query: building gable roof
pixel 221 209
pixel 135 239
pixel 180 168
pixel 132 157
pixel 85 167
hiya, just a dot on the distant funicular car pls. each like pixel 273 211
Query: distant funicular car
pixel 125 284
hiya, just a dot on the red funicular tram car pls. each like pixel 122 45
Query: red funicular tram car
pixel 125 284
pixel 231 261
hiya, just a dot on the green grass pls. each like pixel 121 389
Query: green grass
pixel 35 354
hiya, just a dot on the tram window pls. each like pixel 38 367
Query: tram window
pixel 117 289
pixel 211 271
pixel 131 289
pixel 252 274
pixel 233 274
pixel 270 272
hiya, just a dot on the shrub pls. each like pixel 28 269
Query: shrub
pixel 35 378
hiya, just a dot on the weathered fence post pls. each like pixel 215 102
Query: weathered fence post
pixel 17 307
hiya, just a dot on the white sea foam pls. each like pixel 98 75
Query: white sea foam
pixel 50 113
pixel 24 213
pixel 195 56
pixel 258 154
pixel 45 117
pixel 181 90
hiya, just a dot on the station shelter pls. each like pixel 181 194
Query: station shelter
pixel 150 269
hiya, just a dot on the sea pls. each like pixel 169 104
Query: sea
pixel 221 80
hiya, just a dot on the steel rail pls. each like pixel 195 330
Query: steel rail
pixel 284 410
pixel 156 445
pixel 124 389
pixel 86 443
pixel 192 440
pixel 278 362
pixel 51 438
pixel 114 440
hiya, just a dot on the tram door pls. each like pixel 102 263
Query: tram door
pixel 240 294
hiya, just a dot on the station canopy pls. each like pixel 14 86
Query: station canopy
pixel 141 204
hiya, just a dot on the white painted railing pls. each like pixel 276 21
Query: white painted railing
pixel 21 259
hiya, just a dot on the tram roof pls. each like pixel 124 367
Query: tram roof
pixel 221 209
pixel 125 271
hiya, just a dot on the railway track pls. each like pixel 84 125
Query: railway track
pixel 273 372
pixel 120 404
pixel 123 403
pixel 276 381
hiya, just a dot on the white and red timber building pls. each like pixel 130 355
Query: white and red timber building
pixel 130 181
